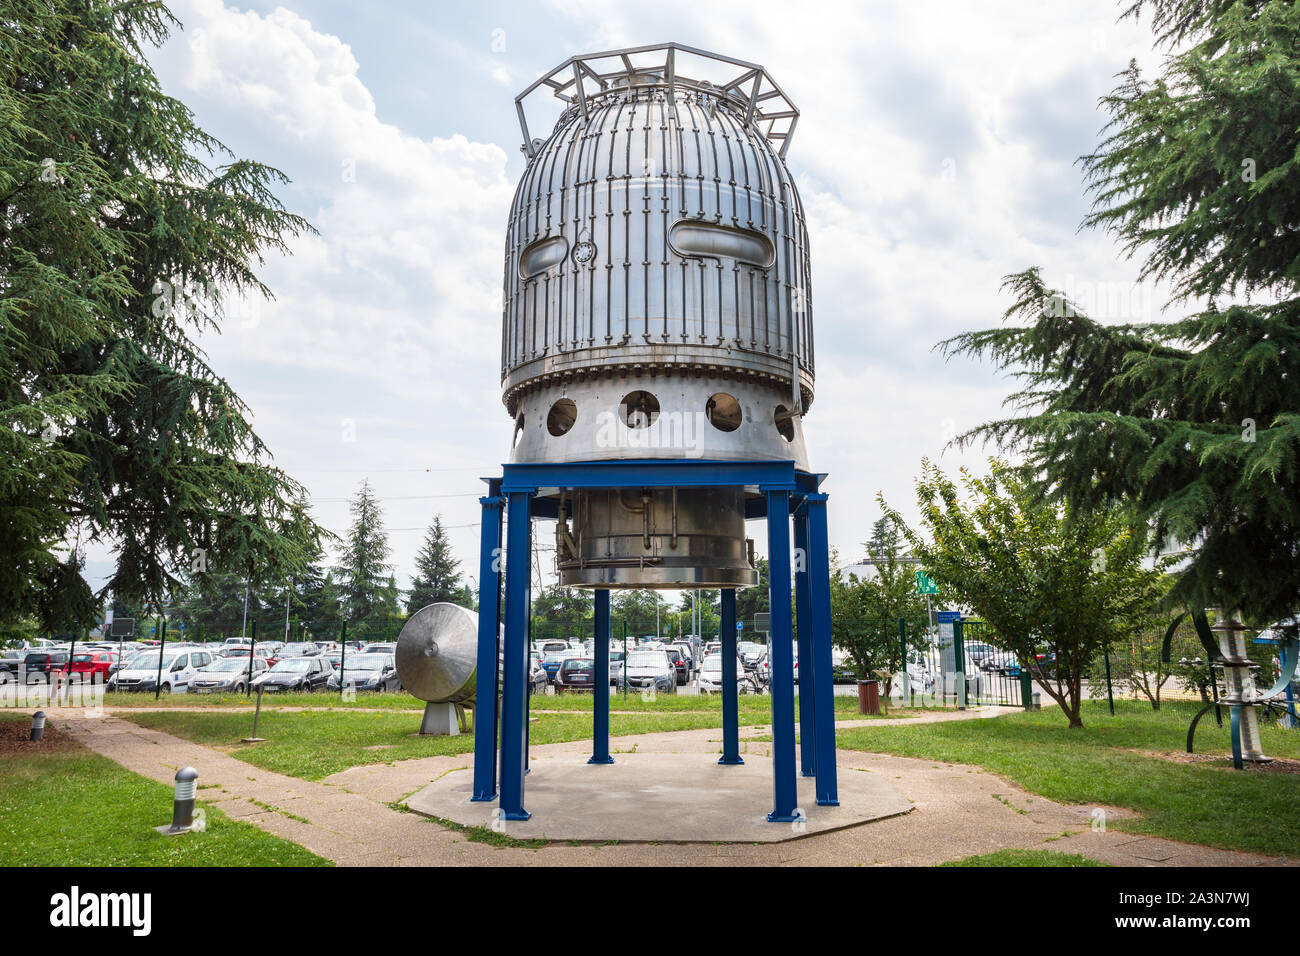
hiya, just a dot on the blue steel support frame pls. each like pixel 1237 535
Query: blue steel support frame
pixel 778 483
pixel 803 618
pixel 819 580
pixel 486 716
pixel 514 691
pixel 781 654
pixel 730 707
pixel 600 706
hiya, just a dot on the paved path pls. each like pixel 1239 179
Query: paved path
pixel 958 811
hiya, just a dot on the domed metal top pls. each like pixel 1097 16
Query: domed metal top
pixel 657 229
pixel 437 653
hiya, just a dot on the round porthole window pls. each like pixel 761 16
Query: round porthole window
pixel 723 412
pixel 561 417
pixel 784 420
pixel 639 409
pixel 584 252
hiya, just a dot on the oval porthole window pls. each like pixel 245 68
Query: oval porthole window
pixel 561 417
pixel 639 409
pixel 784 420
pixel 723 412
pixel 519 430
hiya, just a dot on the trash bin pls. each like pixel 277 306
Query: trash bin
pixel 868 697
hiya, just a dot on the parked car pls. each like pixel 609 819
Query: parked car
pixel 650 669
pixel 40 666
pixel 551 662
pixel 179 667
pixel 576 673
pixel 711 676
pixel 380 647
pixel 93 666
pixel 375 672
pixel 679 664
pixel 688 652
pixel 295 673
pixel 299 649
pixel 751 653
pixel 227 675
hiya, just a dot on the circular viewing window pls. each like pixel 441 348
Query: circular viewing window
pixel 639 409
pixel 784 422
pixel 561 417
pixel 723 412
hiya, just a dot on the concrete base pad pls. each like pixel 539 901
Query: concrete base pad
pixel 670 798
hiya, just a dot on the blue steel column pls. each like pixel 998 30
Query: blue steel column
pixel 782 657
pixel 803 616
pixel 514 693
pixel 489 678
pixel 600 706
pixel 730 708
pixel 819 579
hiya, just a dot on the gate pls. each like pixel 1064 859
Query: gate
pixel 993 675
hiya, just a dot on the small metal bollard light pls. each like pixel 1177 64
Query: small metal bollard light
pixel 183 803
pixel 38 725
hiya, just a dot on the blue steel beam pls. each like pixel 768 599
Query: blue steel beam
pixel 514 702
pixel 819 579
pixel 807 678
pixel 730 706
pixel 600 706
pixel 489 626
pixel 649 473
pixel 784 794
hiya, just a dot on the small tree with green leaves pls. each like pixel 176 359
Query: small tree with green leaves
pixel 1049 580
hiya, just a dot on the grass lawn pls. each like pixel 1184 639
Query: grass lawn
pixel 316 743
pixel 1026 858
pixel 1104 763
pixel 63 805
pixel 755 706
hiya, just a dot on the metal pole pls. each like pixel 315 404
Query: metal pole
pixel 157 685
pixel 600 705
pixel 730 680
pixel 819 582
pixel 514 741
pixel 959 653
pixel 803 620
pixel 343 654
pixel 1110 694
pixel 784 795
pixel 486 716
pixel 243 628
pixel 624 671
pixel 251 647
pixel 906 686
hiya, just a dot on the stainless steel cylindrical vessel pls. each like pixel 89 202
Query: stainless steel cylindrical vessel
pixel 657 304
pixel 437 654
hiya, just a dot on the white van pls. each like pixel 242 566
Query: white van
pixel 179 667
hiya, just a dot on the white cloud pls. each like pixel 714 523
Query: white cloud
pixel 391 316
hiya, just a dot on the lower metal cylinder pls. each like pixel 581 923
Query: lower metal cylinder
pixel 655 538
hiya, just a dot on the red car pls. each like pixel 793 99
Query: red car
pixel 92 666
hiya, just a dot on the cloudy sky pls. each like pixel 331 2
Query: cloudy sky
pixel 935 153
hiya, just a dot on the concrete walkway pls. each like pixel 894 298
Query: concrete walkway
pixel 958 811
